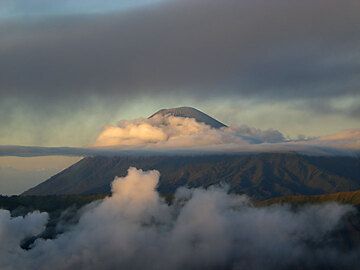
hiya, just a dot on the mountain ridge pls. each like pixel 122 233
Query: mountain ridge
pixel 260 176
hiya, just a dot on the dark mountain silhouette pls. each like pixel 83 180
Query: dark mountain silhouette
pixel 191 113
pixel 260 176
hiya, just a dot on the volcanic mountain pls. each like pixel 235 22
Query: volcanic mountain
pixel 261 176
pixel 190 112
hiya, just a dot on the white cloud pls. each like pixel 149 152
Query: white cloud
pixel 176 132
pixel 203 229
pixel 169 132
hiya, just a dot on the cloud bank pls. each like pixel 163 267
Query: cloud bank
pixel 170 132
pixel 203 229
pixel 175 132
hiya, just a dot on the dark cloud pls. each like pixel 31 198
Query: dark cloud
pixel 325 107
pixel 355 112
pixel 281 49
pixel 316 149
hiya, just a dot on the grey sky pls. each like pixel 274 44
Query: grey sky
pixel 69 72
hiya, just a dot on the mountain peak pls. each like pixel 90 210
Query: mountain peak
pixel 190 112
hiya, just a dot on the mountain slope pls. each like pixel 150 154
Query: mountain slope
pixel 190 113
pixel 346 197
pixel 258 175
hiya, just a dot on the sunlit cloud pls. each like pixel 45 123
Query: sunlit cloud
pixel 169 132
pixel 176 132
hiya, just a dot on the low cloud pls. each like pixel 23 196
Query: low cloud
pixel 170 132
pixel 173 132
pixel 13 230
pixel 203 229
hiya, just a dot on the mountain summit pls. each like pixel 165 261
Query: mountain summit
pixel 190 112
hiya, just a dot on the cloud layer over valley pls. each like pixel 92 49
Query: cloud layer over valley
pixel 170 132
pixel 208 229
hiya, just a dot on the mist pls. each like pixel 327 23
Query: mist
pixel 135 228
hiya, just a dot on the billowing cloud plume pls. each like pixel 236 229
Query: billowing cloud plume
pixel 174 132
pixel 202 229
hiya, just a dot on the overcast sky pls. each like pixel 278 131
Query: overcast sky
pixel 67 68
